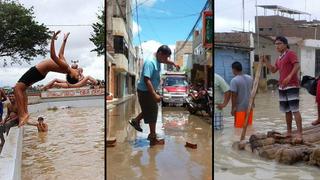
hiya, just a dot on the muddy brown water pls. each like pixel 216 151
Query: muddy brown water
pixel 73 148
pixel 133 158
pixel 233 164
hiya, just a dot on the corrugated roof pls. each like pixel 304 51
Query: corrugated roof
pixel 282 9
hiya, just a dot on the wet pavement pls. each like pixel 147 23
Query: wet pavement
pixel 133 158
pixel 73 148
pixel 233 164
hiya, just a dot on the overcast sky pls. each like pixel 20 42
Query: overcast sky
pixel 228 14
pixel 78 47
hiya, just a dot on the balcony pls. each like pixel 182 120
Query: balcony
pixel 119 28
pixel 121 63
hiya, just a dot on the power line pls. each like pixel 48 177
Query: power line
pixel 193 28
pixel 138 26
pixel 169 18
pixel 68 25
pixel 137 5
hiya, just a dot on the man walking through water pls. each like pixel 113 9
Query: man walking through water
pixel 288 66
pixel 148 98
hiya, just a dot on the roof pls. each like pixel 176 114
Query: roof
pixel 240 40
pixel 282 9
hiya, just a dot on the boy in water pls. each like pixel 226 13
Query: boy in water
pixel 42 127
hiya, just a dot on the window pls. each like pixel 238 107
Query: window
pixel 270 29
pixel 120 45
pixel 260 29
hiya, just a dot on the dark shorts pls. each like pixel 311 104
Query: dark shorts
pixel 149 107
pixel 1 109
pixel 289 100
pixel 31 76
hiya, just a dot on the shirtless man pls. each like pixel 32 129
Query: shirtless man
pixel 42 127
pixel 11 118
pixel 3 98
pixel 39 72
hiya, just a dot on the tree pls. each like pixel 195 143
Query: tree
pixel 98 38
pixel 21 37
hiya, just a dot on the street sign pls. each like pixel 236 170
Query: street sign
pixel 207 29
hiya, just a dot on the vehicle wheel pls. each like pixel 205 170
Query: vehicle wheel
pixel 191 110
pixel 210 110
pixel 164 104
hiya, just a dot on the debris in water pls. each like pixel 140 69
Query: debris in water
pixel 191 145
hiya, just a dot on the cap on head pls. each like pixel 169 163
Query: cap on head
pixel 283 40
pixel 164 49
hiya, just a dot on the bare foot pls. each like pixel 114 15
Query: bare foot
pixel 156 142
pixel 298 138
pixel 24 120
pixel 316 122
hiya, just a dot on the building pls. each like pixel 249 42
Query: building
pixel 182 50
pixel 283 22
pixel 231 47
pixel 121 64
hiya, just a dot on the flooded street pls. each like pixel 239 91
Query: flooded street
pixel 133 158
pixel 73 148
pixel 233 164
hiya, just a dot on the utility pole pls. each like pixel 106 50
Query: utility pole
pixel 243 15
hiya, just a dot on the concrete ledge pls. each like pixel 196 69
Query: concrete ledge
pixel 11 155
pixel 113 103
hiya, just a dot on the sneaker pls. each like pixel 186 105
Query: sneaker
pixel 135 124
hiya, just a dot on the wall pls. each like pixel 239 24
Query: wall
pixel 223 58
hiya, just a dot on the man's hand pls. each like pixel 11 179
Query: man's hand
pixel 285 82
pixel 55 35
pixel 220 106
pixel 2 122
pixel 66 36
pixel 177 66
pixel 233 111
pixel 157 98
pixel 264 59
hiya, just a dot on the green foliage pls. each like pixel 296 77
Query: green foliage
pixel 98 38
pixel 21 37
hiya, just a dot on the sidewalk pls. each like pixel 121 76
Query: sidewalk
pixel 116 101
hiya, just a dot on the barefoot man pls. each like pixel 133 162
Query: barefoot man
pixel 288 66
pixel 39 72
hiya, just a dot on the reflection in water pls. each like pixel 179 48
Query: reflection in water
pixel 232 164
pixel 133 158
pixel 73 148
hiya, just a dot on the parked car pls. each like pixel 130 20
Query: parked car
pixel 174 88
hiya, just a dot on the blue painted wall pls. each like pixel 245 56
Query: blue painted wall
pixel 223 58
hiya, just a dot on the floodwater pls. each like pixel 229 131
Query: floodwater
pixel 132 157
pixel 233 164
pixel 73 148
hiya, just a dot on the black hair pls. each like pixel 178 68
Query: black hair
pixel 71 80
pixel 40 119
pixel 164 49
pixel 237 66
pixel 282 39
